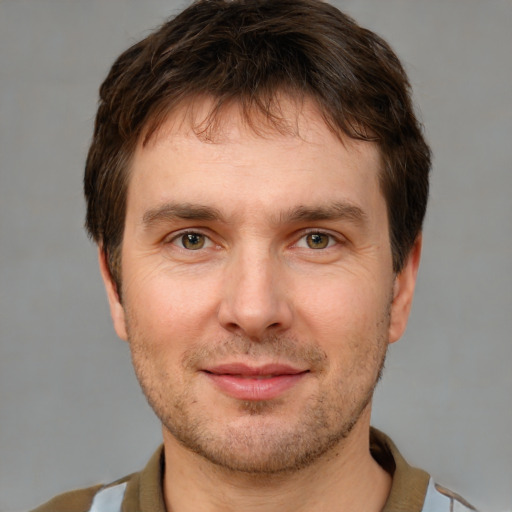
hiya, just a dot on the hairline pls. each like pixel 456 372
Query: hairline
pixel 253 118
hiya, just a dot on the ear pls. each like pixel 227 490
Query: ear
pixel 403 291
pixel 116 308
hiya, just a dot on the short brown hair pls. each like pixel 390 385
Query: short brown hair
pixel 250 51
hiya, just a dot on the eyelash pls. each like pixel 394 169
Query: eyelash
pixel 332 240
pixel 179 236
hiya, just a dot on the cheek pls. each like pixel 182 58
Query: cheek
pixel 339 307
pixel 351 324
pixel 168 310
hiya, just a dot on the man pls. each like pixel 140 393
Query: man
pixel 256 184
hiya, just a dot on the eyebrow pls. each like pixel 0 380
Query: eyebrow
pixel 180 211
pixel 169 212
pixel 333 211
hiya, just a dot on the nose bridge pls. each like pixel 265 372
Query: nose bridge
pixel 254 299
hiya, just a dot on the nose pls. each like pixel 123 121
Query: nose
pixel 255 300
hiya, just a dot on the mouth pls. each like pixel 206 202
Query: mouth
pixel 253 383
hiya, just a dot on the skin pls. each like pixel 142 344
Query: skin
pixel 258 249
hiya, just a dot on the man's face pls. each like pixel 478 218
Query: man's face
pixel 258 295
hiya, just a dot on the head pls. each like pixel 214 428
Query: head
pixel 252 53
pixel 256 184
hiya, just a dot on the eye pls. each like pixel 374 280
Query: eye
pixel 316 240
pixel 192 241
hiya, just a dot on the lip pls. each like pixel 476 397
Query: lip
pixel 254 383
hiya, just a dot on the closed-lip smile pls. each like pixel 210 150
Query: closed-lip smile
pixel 260 382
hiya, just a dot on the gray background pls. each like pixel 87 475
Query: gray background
pixel 71 411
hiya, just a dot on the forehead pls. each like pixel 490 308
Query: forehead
pixel 212 120
pixel 293 157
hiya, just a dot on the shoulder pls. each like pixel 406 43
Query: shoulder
pixel 440 499
pixel 85 500
pixel 412 490
pixel 125 494
pixel 79 500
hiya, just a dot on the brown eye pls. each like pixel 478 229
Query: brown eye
pixel 193 241
pixel 317 240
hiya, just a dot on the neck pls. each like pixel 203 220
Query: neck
pixel 345 478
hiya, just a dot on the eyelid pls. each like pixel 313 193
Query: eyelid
pixel 335 238
pixel 173 237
